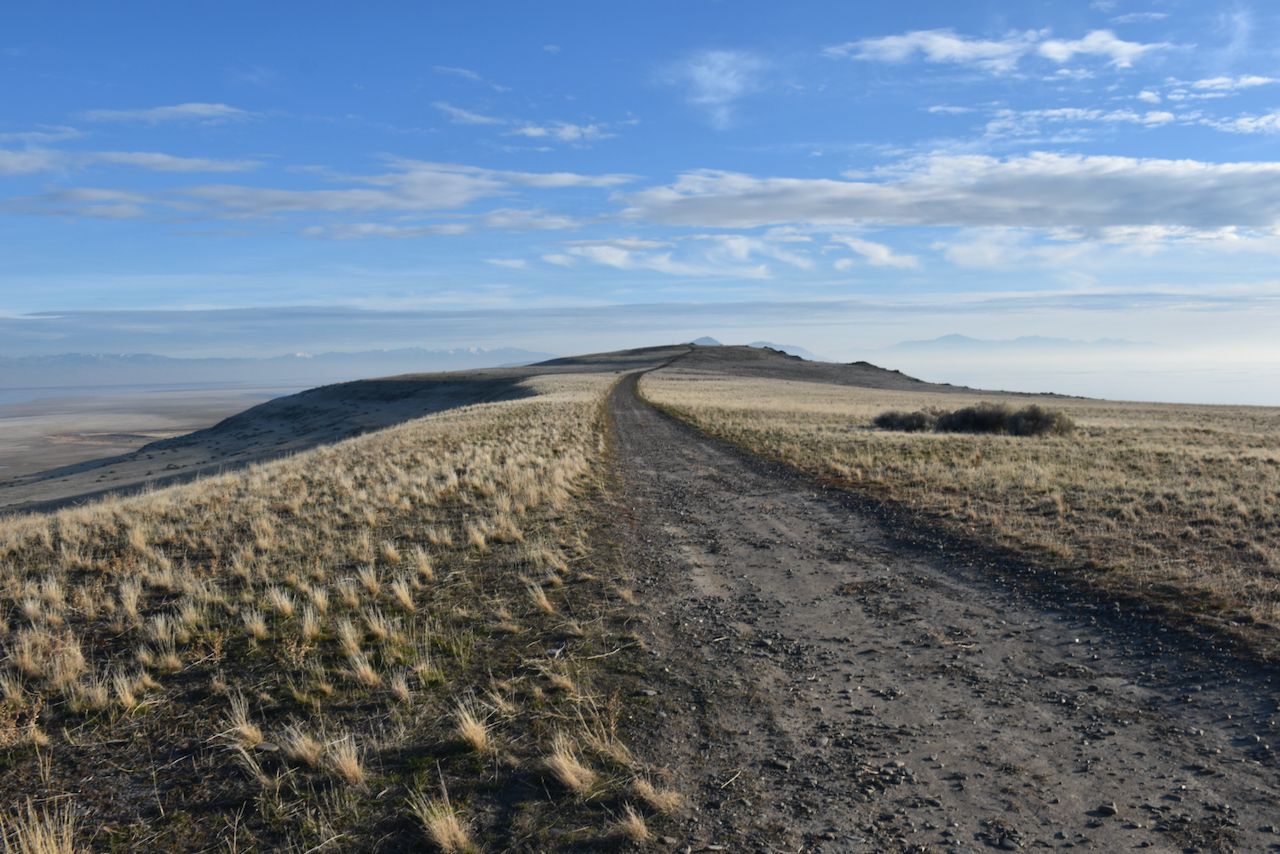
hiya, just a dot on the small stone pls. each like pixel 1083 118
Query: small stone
pixel 1108 810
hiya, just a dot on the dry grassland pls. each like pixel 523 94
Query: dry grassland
pixel 1177 505
pixel 391 642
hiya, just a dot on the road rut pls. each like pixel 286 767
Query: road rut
pixel 828 686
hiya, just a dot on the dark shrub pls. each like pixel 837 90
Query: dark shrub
pixel 983 418
pixel 910 422
pixel 1033 420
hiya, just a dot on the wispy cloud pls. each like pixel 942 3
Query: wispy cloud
pixel 1231 84
pixel 715 80
pixel 189 112
pixel 410 186
pixel 42 136
pixel 157 162
pixel 508 263
pixel 514 219
pixel 91 202
pixel 362 230
pixel 28 161
pixel 33 160
pixel 563 132
pixel 459 116
pixel 1264 123
pixel 940 46
pixel 999 55
pixel 1139 18
pixel 875 254
pixel 1041 190
pixel 470 76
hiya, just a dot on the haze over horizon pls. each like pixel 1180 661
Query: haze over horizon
pixel 234 181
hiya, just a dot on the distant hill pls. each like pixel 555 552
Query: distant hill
pixel 792 349
pixel 707 341
pixel 90 369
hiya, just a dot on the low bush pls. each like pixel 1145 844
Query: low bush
pixel 998 418
pixel 908 422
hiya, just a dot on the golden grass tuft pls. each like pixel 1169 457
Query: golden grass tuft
pixel 631 825
pixel 565 765
pixel 660 800
pixel 441 823
pixel 470 727
pixel 345 761
pixel 44 830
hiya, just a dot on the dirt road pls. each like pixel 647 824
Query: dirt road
pixel 831 686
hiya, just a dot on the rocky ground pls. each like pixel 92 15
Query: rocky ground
pixel 831 682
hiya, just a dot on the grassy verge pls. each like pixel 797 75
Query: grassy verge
pixel 399 641
pixel 1174 505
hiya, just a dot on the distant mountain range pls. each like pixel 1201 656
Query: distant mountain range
pixel 965 344
pixel 90 369
pixel 792 349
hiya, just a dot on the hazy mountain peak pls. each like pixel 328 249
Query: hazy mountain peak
pixel 789 349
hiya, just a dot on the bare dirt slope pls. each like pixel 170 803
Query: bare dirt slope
pixel 828 685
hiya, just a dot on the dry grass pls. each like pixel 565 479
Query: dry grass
pixel 441 824
pixel 565 765
pixel 326 621
pixel 43 830
pixel 1173 503
pixel 631 825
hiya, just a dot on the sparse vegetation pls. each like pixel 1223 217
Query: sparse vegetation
pixel 329 627
pixel 1174 505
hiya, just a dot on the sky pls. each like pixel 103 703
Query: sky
pixel 239 178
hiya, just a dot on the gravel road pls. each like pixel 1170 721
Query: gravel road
pixel 832 684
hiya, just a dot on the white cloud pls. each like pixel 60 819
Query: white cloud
pixel 509 263
pixel 1149 97
pixel 948 110
pixel 875 254
pixel 1004 248
pixel 1232 84
pixel 459 116
pixel 1039 190
pixel 362 230
pixel 559 259
pixel 32 160
pixel 1265 123
pixel 940 46
pixel 995 55
pixel 193 111
pixel 1103 43
pixel 409 187
pixel 564 132
pixel 528 220
pixel 157 162
pixel 28 161
pixel 1140 18
pixel 699 255
pixel 44 135
pixel 715 79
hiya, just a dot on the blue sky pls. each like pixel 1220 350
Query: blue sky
pixel 878 172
